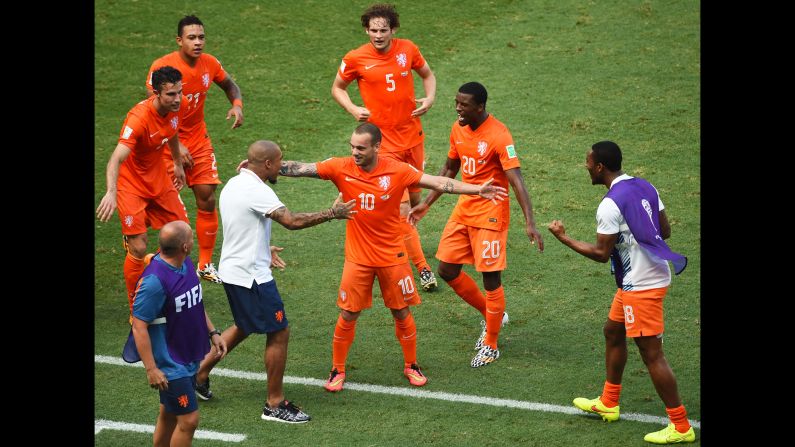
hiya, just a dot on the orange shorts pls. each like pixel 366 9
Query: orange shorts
pixel 137 213
pixel 204 170
pixel 641 311
pixel 396 281
pixel 414 156
pixel 462 244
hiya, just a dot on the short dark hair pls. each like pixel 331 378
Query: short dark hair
pixel 384 10
pixel 372 129
pixel 165 75
pixel 476 89
pixel 187 20
pixel 607 153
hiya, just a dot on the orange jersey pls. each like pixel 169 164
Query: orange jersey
pixel 195 85
pixel 146 133
pixel 484 153
pixel 386 85
pixel 373 237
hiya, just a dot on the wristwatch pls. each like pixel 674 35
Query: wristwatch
pixel 213 332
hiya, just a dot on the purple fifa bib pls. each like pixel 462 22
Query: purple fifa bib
pixel 637 200
pixel 186 326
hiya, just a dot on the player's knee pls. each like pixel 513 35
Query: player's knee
pixel 136 245
pixel 614 333
pixel 189 422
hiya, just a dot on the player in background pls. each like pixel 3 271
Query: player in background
pixel 137 181
pixel 198 70
pixel 630 232
pixel 482 148
pixel 373 241
pixel 382 69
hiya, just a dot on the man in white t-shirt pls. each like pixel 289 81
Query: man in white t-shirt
pixel 247 207
pixel 630 232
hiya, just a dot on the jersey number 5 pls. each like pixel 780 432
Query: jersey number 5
pixel 390 82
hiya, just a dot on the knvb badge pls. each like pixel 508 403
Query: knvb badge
pixel 511 151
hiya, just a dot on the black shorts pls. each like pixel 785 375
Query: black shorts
pixel 257 310
pixel 180 397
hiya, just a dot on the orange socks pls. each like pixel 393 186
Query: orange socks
pixel 678 416
pixel 133 267
pixel 495 306
pixel 343 339
pixel 206 232
pixel 610 394
pixel 413 247
pixel 465 287
pixel 406 333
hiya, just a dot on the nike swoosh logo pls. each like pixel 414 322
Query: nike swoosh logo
pixel 337 336
pixel 348 179
pixel 367 67
pixel 593 408
pixel 409 336
pixel 458 142
pixel 336 382
pixel 150 136
pixel 490 262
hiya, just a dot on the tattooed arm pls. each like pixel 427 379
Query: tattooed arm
pixel 452 186
pixel 298 169
pixel 297 221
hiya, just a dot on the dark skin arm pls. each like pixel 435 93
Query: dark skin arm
pixel 297 221
pixel 522 196
pixel 599 252
pixel 232 93
pixel 665 227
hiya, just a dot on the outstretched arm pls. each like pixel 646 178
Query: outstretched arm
pixel 297 221
pixel 450 170
pixel 522 196
pixel 452 186
pixel 298 169
pixel 235 98
pixel 599 252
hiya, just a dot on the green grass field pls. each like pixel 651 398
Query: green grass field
pixel 561 75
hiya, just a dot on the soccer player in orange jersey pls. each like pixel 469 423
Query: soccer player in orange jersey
pixel 481 147
pixel 373 241
pixel 382 69
pixel 198 69
pixel 137 181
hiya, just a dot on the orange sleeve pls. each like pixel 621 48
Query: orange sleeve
pixel 328 168
pixel 417 61
pixel 506 150
pixel 216 69
pixel 131 131
pixel 412 174
pixel 348 70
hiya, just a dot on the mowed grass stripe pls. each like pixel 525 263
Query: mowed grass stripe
pixel 412 392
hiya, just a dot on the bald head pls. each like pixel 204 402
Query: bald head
pixel 265 159
pixel 263 150
pixel 172 237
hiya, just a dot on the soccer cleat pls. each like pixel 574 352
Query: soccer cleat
pixel 596 406
pixel 428 280
pixel 485 356
pixel 209 273
pixel 335 381
pixel 479 343
pixel 203 390
pixel 415 376
pixel 669 435
pixel 285 412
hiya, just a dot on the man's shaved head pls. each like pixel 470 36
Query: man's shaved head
pixel 173 235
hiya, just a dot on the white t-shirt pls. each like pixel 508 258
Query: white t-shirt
pixel 642 269
pixel 244 203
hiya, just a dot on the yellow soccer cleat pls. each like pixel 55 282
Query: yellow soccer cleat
pixel 596 406
pixel 669 435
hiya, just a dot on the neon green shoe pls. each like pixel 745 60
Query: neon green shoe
pixel 597 407
pixel 669 435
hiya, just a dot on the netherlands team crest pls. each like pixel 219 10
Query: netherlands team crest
pixel 128 220
pixel 482 146
pixel 401 59
pixel 383 182
pixel 206 80
pixel 174 122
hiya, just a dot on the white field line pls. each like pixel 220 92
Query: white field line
pixel 102 424
pixel 413 392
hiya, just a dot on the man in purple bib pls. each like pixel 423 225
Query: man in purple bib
pixel 631 228
pixel 170 328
